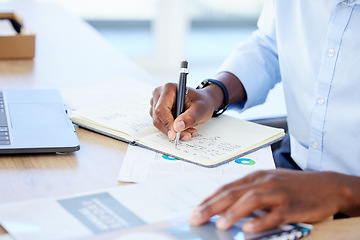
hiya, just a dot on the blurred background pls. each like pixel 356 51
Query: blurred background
pixel 158 34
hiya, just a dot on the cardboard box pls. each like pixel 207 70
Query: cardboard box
pixel 21 45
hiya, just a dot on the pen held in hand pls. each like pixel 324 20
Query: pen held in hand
pixel 181 92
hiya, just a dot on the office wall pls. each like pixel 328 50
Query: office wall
pixel 157 34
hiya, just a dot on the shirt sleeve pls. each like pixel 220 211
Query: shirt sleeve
pixel 255 61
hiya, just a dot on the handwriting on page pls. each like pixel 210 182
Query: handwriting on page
pixel 202 147
pixel 131 118
pixel 134 123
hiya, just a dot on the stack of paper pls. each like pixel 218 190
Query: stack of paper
pixel 142 165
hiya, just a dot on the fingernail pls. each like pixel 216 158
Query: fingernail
pixel 221 223
pixel 186 137
pixel 195 217
pixel 171 135
pixel 180 126
pixel 248 227
pixel 194 134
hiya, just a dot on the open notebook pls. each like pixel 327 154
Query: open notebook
pixel 220 140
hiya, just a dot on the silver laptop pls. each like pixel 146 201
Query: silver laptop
pixel 35 121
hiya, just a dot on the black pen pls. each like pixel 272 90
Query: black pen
pixel 181 92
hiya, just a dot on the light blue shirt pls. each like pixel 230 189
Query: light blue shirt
pixel 313 47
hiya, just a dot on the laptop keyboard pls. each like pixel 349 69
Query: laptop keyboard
pixel 4 127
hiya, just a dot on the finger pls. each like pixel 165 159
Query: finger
pixel 153 100
pixel 225 196
pixel 197 110
pixel 189 119
pixel 188 134
pixel 270 220
pixel 164 128
pixel 250 201
pixel 248 179
pixel 156 120
pixel 162 112
pixel 216 204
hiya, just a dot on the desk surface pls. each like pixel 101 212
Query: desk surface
pixel 68 51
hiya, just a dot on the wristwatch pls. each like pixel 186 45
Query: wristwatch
pixel 225 104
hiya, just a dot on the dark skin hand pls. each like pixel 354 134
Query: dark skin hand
pixel 287 195
pixel 199 106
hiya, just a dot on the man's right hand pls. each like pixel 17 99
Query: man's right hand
pixel 199 107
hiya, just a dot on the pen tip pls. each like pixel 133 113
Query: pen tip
pixel 177 138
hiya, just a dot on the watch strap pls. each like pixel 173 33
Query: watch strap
pixel 225 104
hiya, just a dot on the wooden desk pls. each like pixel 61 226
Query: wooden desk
pixel 340 229
pixel 68 51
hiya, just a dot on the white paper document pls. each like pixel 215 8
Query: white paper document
pixel 141 165
pixel 105 211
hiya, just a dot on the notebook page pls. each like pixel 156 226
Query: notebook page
pixel 131 118
pixel 219 139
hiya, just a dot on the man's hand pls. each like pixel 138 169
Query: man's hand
pixel 287 195
pixel 199 106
